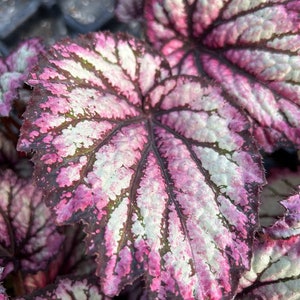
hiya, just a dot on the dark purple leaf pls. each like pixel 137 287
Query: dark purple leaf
pixel 73 288
pixel 28 236
pixel 10 158
pixel 250 47
pixel 161 169
pixel 71 259
pixel 14 70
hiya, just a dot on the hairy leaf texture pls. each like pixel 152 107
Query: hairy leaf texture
pixel 250 47
pixel 275 267
pixel 14 70
pixel 72 287
pixel 161 168
pixel 282 183
pixel 28 236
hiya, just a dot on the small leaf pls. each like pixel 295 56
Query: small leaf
pixel 74 288
pixel 275 270
pixel 250 47
pixel 282 183
pixel 14 70
pixel 289 225
pixel 160 168
pixel 28 236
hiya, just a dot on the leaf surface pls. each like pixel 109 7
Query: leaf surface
pixel 160 168
pixel 72 287
pixel 28 236
pixel 14 70
pixel 275 267
pixel 250 47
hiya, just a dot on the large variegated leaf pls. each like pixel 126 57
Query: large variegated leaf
pixel 250 47
pixel 161 169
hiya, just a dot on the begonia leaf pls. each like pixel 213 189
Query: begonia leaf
pixel 275 268
pixel 250 47
pixel 71 259
pixel 282 183
pixel 28 235
pixel 69 288
pixel 162 170
pixel 289 224
pixel 14 70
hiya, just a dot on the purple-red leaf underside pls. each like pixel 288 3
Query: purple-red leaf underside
pixel 250 47
pixel 160 168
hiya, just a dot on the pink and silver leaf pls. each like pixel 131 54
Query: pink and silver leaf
pixel 72 287
pixel 161 169
pixel 250 47
pixel 28 236
pixel 282 183
pixel 14 71
pixel 275 270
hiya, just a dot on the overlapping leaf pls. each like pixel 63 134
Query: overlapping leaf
pixel 289 224
pixel 275 268
pixel 275 271
pixel 161 169
pixel 14 70
pixel 250 47
pixel 74 288
pixel 71 260
pixel 28 236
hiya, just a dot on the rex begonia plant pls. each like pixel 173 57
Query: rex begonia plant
pixel 156 152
